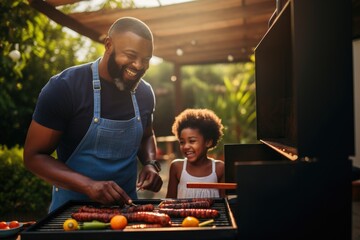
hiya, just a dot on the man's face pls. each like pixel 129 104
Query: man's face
pixel 119 74
pixel 129 59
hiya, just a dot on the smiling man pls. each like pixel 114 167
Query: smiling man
pixel 98 117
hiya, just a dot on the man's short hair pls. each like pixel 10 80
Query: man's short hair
pixel 130 24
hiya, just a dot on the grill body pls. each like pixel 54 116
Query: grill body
pixel 50 227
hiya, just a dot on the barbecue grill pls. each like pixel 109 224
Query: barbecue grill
pixel 51 227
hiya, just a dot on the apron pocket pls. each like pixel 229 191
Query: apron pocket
pixel 116 143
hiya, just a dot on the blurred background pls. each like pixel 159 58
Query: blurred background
pixel 33 48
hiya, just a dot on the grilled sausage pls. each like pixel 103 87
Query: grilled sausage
pixel 141 226
pixel 198 213
pixel 88 216
pixel 186 200
pixel 140 208
pixel 149 217
pixel 184 205
pixel 91 209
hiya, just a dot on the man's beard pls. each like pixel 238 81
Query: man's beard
pixel 117 72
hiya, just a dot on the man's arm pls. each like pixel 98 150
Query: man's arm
pixel 147 150
pixel 149 178
pixel 173 183
pixel 40 143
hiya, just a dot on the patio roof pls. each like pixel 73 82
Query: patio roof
pixel 204 31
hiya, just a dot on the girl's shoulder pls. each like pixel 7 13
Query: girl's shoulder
pixel 177 165
pixel 220 168
pixel 220 165
pixel 217 162
pixel 177 162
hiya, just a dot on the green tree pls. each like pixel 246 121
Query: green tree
pixel 228 90
pixel 198 82
pixel 236 104
pixel 21 191
pixel 159 76
pixel 46 49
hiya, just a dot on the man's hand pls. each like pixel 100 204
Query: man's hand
pixel 149 179
pixel 108 192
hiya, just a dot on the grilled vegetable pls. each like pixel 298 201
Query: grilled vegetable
pixel 203 224
pixel 190 222
pixel 93 225
pixel 118 222
pixel 70 225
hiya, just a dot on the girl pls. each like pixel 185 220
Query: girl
pixel 198 130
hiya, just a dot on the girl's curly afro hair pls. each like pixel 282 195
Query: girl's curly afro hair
pixel 205 120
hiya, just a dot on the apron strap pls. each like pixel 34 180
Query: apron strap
pixel 97 89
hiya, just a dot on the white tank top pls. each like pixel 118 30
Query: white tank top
pixel 184 192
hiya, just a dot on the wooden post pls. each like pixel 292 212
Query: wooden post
pixel 178 89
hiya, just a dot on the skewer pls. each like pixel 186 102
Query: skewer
pixel 211 185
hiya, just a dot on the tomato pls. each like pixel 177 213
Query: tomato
pixel 14 224
pixel 190 222
pixel 3 225
pixel 118 222
pixel 70 224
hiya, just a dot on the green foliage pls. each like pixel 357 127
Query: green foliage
pixel 206 86
pixel 159 77
pixel 236 106
pixel 90 6
pixel 46 49
pixel 228 90
pixel 21 191
pixel 19 23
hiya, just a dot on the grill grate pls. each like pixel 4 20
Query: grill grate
pixel 50 227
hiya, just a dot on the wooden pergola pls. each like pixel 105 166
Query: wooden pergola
pixel 204 31
pixel 190 33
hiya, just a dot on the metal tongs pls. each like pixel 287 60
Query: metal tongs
pixel 131 203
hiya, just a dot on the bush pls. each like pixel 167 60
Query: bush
pixel 20 190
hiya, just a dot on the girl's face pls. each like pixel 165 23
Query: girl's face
pixel 193 145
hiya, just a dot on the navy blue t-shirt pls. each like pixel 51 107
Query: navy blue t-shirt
pixel 66 104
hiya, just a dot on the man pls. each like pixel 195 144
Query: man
pixel 98 117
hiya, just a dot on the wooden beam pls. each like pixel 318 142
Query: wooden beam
pixel 64 20
pixel 62 2
pixel 207 31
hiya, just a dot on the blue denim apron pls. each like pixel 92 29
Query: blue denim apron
pixel 108 151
